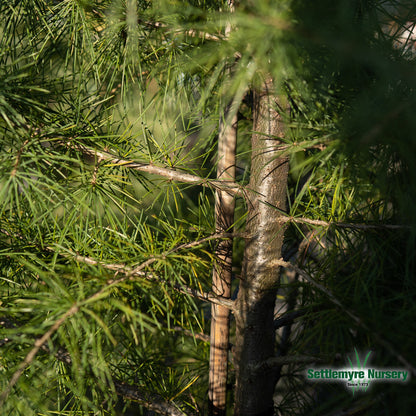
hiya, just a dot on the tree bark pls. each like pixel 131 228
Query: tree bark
pixel 221 277
pixel 255 336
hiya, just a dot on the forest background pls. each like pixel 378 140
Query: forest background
pixel 201 199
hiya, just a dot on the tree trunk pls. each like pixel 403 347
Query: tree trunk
pixel 221 277
pixel 255 336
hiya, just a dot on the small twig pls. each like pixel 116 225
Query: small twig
pixel 18 157
pixel 187 32
pixel 138 272
pixel 129 272
pixel 95 172
pixel 189 333
pixel 202 35
pixel 230 187
pixel 151 401
pixel 343 224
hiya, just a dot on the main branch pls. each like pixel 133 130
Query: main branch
pixel 227 185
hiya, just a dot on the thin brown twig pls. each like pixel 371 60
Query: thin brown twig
pixel 138 271
pixel 189 333
pixel 358 226
pixel 230 187
pixel 187 32
pixel 130 273
pixel 151 401
pixel 18 157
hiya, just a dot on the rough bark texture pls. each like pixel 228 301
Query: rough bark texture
pixel 221 278
pixel 255 336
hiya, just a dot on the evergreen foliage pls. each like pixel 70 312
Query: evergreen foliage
pixel 109 116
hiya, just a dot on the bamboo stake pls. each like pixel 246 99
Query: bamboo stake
pixel 222 272
pixel 221 277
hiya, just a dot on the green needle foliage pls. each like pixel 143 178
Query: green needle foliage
pixel 109 114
